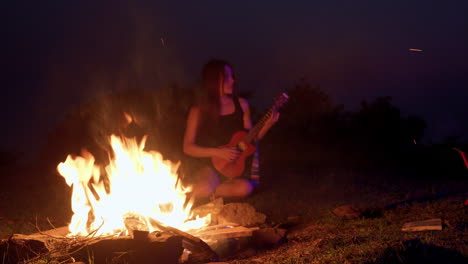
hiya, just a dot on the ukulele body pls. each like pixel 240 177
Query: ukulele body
pixel 232 169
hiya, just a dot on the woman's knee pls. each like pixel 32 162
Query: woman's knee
pixel 207 181
pixel 203 190
pixel 244 189
pixel 239 188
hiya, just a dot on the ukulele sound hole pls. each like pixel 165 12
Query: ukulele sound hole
pixel 242 146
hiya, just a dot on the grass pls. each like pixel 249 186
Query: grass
pixel 325 238
pixel 320 237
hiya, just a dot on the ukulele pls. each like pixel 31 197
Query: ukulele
pixel 242 141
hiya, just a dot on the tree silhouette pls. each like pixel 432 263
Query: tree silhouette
pixel 314 132
pixel 310 124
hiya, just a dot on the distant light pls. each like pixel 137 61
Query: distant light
pixel 418 50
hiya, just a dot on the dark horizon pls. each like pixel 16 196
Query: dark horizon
pixel 354 51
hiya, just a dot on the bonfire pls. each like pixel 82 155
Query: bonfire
pixel 138 185
pixel 136 203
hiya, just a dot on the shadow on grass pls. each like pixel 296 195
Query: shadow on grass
pixel 415 251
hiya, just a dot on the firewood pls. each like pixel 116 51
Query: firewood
pixel 212 227
pixel 200 251
pixel 228 232
pixel 174 230
pixel 431 224
pixel 164 247
pixel 19 249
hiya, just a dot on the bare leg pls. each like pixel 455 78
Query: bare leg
pixel 207 181
pixel 235 188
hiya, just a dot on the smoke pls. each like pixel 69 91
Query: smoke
pixel 78 51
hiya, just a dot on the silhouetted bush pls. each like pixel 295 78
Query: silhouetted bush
pixel 313 133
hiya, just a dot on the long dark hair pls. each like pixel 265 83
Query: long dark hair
pixel 212 72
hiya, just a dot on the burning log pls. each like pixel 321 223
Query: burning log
pixel 200 251
pixel 161 246
pixel 17 249
pixel 202 245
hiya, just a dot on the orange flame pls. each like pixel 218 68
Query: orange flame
pixel 141 184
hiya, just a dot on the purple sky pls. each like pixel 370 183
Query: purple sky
pixel 354 49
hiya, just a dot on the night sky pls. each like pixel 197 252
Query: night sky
pixel 354 50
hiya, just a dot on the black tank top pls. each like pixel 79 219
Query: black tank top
pixel 214 134
pixel 219 132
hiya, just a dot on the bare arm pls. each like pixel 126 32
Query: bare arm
pixel 269 123
pixel 190 148
pixel 248 122
pixel 246 116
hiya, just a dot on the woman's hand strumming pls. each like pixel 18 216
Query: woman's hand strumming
pixel 227 153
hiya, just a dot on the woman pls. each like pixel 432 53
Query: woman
pixel 211 122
